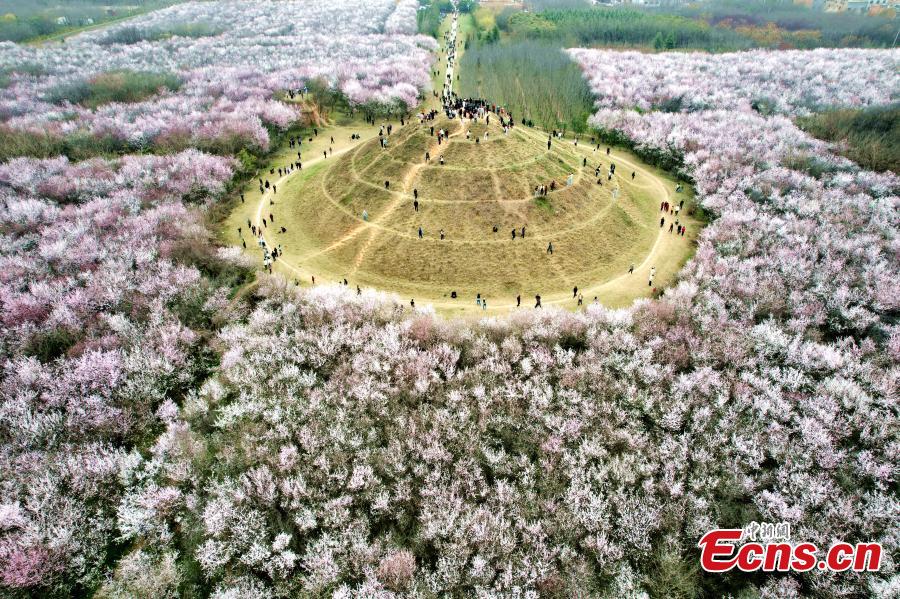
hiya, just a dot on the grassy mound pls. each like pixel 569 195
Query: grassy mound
pixel 596 231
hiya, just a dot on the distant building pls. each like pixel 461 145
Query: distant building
pixel 879 6
pixel 861 6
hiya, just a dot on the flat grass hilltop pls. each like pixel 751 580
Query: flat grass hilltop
pixel 353 216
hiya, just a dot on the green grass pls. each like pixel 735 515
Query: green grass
pixel 114 86
pixel 713 25
pixel 870 137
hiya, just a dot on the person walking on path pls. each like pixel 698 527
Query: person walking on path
pixel 442 234
pixel 550 248
pixel 631 269
pixel 537 301
pixel 580 299
pixel 518 301
pixel 575 292
pixel 416 205
pixel 420 233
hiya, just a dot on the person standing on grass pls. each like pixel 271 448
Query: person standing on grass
pixel 519 301
pixel 421 233
pixel 523 231
pixel 574 291
pixel 484 304
pixel 416 205
pixel 550 248
pixel 631 269
pixel 537 301
pixel 442 234
pixel 478 300
pixel 580 299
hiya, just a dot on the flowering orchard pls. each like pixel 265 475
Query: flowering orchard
pixel 794 82
pixel 110 278
pixel 97 280
pixel 367 49
pixel 362 453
